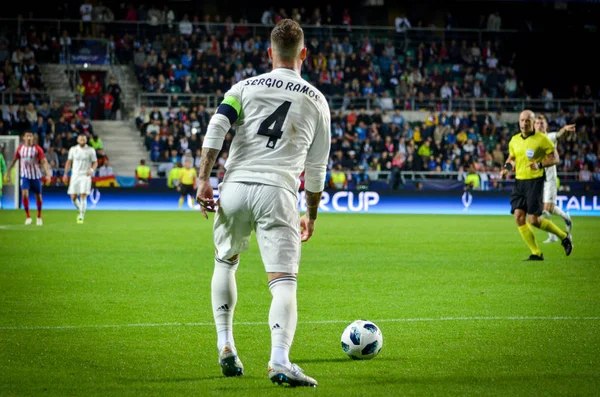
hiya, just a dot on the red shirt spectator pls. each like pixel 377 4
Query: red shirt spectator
pixel 108 101
pixel 92 88
pixel 67 112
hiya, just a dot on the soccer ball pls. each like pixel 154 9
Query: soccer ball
pixel 362 340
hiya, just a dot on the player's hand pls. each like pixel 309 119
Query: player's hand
pixel 534 166
pixel 205 197
pixel 65 179
pixel 48 178
pixel 89 172
pixel 569 128
pixel 503 173
pixel 7 179
pixel 307 227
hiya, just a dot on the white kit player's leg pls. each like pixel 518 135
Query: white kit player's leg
pixel 82 205
pixel 224 299
pixel 565 216
pixel 75 201
pixel 231 231
pixel 283 318
pixel 278 236
pixel 550 194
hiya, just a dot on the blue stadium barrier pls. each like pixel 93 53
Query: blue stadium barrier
pixel 457 202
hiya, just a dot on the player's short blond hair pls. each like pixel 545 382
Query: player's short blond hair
pixel 287 39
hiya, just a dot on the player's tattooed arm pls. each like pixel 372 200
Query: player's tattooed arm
pixel 209 156
pixel 312 203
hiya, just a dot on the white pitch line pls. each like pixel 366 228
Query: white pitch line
pixel 388 320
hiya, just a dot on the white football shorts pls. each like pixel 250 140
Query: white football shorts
pixel 550 192
pixel 80 184
pixel 271 212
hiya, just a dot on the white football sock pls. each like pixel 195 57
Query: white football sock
pixel 82 206
pixel 283 318
pixel 559 212
pixel 76 203
pixel 224 298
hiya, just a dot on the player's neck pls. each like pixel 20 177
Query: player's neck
pixel 287 65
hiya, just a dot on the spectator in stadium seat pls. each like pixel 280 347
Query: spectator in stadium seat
pixel 96 142
pixel 338 180
pixel 102 157
pixel 40 128
pixel 585 174
pixel 142 119
pixel 472 180
pixel 106 169
pixel 51 155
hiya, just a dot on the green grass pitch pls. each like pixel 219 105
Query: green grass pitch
pixel 121 306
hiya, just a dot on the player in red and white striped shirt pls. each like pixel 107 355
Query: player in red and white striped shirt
pixel 31 156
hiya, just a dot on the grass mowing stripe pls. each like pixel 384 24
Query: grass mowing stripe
pixel 388 320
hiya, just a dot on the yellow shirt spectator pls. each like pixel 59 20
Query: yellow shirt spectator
pixel 174 175
pixel 417 137
pixel 472 180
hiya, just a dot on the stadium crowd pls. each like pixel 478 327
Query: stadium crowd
pixel 383 144
pixel 55 125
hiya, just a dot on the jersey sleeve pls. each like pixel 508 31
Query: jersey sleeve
pixel 71 155
pixel 511 149
pixel 18 152
pixel 40 152
pixel 93 156
pixel 228 112
pixel 318 153
pixel 547 145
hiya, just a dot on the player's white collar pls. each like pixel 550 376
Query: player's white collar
pixel 285 69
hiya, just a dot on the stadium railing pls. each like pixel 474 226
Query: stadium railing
pixel 8 98
pixel 369 103
pixel 145 29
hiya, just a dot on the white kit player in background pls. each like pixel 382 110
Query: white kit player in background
pixel 84 162
pixel 282 127
pixel 551 184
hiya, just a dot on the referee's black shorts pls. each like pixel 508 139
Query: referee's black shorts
pixel 188 189
pixel 528 195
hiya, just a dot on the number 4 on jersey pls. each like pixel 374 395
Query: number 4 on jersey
pixel 274 120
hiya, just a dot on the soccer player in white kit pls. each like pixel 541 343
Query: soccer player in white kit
pixel 84 161
pixel 282 127
pixel 550 184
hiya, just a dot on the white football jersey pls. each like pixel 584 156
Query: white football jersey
pixel 283 128
pixel 82 159
pixel 550 172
